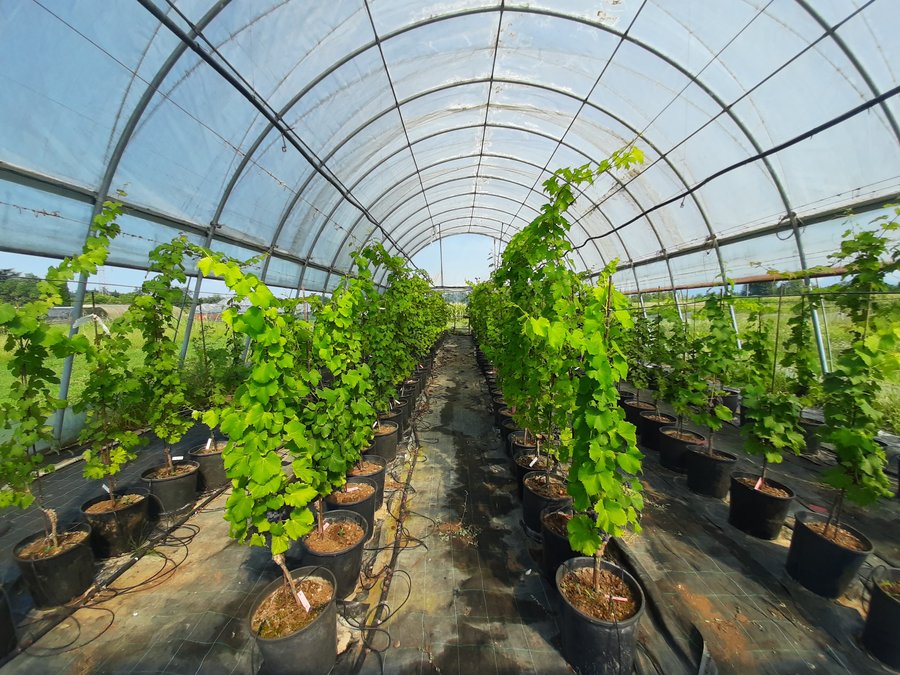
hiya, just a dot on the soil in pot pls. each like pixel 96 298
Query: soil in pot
pixel 598 629
pixel 709 471
pixel 821 564
pixel 163 472
pixel 56 574
pixel 539 493
pixel 119 528
pixel 291 638
pixel 279 614
pixel 578 588
pixel 337 537
pixel 351 494
pixel 374 467
pixel 633 410
pixel 758 512
pixel 881 635
pixel 673 444
pixel 650 424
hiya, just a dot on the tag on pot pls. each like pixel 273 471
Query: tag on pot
pixel 105 487
pixel 616 598
pixel 759 484
pixel 533 462
pixel 352 488
pixel 326 526
pixel 303 601
pixel 178 459
pixel 208 443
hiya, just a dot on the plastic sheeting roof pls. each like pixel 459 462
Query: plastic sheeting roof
pixel 308 128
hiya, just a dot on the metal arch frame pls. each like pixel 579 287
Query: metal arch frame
pixel 387 72
pixel 544 170
pixel 455 231
pixel 469 12
pixel 111 167
pixel 414 229
pixel 544 87
pixel 621 35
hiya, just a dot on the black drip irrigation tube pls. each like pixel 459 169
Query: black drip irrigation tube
pixel 89 594
pixel 396 549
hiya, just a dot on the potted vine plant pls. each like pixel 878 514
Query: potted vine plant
pixel 708 468
pixel 173 486
pixel 759 505
pixel 686 393
pixel 661 344
pixel 825 553
pixel 56 566
pixel 211 379
pixel 578 335
pixel 602 603
pixel 799 359
pixel 118 520
pixel 637 347
pixel 338 427
pixel 268 416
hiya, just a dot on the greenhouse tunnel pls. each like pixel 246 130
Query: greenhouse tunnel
pixel 296 133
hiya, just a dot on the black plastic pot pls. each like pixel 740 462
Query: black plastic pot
pixel 344 565
pixel 755 512
pixel 121 531
pixel 594 647
pixel 315 645
pixel 633 411
pixel 810 435
pixel 386 439
pixel 377 477
pixel 648 428
pixel 709 475
pixel 168 495
pixel 819 564
pixel 364 507
pixel 672 450
pixel 731 399
pixel 555 550
pixel 212 468
pixel 533 503
pixel 8 639
pixel 625 396
pixel 403 406
pixel 881 635
pixel 56 580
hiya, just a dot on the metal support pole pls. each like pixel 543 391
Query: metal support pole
pixel 734 323
pixel 677 305
pixel 66 376
pixel 194 300
pixel 826 361
pixel 643 307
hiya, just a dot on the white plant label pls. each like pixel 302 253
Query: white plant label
pixel 326 526
pixel 352 488
pixel 208 443
pixel 105 488
pixel 616 598
pixel 303 601
pixel 533 462
pixel 178 459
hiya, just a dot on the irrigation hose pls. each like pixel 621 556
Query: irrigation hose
pixel 88 595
